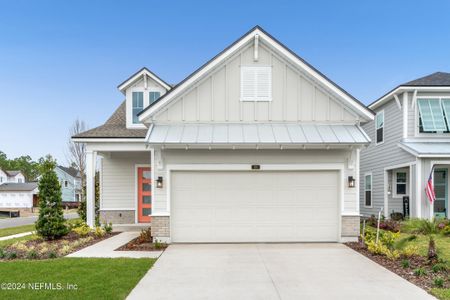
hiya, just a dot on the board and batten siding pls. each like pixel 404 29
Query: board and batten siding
pixel 375 158
pixel 118 179
pixel 256 157
pixel 216 97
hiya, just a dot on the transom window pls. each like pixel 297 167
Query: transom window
pixel 368 190
pixel 138 105
pixel 153 96
pixel 256 83
pixel 379 127
pixel 434 115
pixel 400 183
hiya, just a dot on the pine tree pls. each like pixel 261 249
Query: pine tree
pixel 50 224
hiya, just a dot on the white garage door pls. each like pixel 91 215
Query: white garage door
pixel 261 206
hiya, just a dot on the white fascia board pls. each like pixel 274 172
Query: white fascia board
pixel 363 111
pixel 401 89
pixel 407 149
pixel 130 81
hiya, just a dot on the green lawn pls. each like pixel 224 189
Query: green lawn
pixel 16 230
pixel 442 245
pixel 95 278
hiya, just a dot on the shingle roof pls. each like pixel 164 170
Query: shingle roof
pixel 12 172
pixel 19 187
pixel 71 171
pixel 114 127
pixel 435 79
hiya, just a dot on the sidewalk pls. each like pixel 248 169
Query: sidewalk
pixel 18 235
pixel 106 248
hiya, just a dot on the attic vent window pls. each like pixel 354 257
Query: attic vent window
pixel 256 83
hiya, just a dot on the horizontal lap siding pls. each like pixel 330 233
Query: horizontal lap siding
pixel 118 179
pixel 376 157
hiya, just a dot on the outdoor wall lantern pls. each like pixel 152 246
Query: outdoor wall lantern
pixel 159 182
pixel 351 182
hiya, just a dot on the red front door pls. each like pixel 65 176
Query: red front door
pixel 144 195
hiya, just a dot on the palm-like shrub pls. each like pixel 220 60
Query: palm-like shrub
pixel 426 227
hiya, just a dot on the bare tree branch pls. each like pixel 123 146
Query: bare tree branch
pixel 77 151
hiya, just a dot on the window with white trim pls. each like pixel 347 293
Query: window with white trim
pixel 379 127
pixel 434 115
pixel 368 190
pixel 256 83
pixel 138 105
pixel 400 179
pixel 153 96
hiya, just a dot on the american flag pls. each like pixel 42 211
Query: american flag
pixel 429 190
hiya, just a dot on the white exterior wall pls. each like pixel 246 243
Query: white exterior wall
pixel 224 157
pixel 295 97
pixel 12 199
pixel 118 179
pixel 3 177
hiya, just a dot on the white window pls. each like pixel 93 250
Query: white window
pixel 137 105
pixel 256 83
pixel 66 183
pixel 400 183
pixel 19 180
pixel 368 190
pixel 379 127
pixel 434 115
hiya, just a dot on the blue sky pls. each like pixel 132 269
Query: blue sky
pixel 62 60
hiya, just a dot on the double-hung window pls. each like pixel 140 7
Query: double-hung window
pixel 153 96
pixel 379 127
pixel 434 115
pixel 368 190
pixel 138 105
pixel 256 83
pixel 400 183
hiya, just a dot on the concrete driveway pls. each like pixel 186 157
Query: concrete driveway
pixel 270 271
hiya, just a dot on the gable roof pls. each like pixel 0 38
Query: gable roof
pixel 434 80
pixel 70 170
pixel 19 187
pixel 114 127
pixel 144 71
pixel 289 54
pixel 12 173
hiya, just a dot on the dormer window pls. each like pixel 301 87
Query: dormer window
pixel 138 105
pixel 153 96
pixel 434 115
pixel 256 83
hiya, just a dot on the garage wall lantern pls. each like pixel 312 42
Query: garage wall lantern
pixel 351 182
pixel 159 182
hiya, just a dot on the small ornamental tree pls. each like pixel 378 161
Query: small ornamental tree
pixel 50 224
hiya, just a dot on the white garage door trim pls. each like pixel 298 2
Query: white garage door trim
pixel 263 167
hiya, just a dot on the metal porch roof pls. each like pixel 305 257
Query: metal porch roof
pixel 265 133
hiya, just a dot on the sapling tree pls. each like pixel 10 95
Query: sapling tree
pixel 50 224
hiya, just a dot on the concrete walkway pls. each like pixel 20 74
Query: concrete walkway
pixel 106 248
pixel 270 271
pixel 18 235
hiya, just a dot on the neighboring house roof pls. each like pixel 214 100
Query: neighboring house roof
pixel 427 148
pixel 432 81
pixel 71 171
pixel 12 173
pixel 257 134
pixel 18 187
pixel 114 127
pixel 227 52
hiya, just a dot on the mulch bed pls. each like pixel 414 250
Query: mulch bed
pixel 136 245
pixel 72 241
pixel 424 281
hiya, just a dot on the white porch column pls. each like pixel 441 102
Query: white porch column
pixel 405 115
pixel 91 158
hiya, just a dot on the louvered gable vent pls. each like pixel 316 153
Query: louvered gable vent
pixel 256 83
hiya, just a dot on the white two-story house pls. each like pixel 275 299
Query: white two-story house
pixel 410 142
pixel 254 146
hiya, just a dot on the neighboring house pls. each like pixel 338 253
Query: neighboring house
pixel 70 181
pixel 14 176
pixel 18 195
pixel 410 138
pixel 3 177
pixel 255 146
